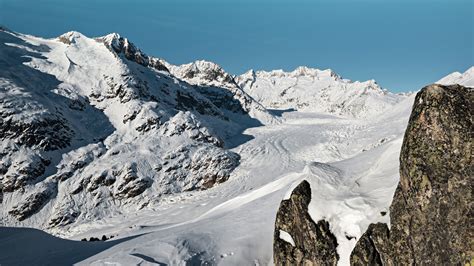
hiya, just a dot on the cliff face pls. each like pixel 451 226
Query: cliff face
pixel 431 213
pixel 298 240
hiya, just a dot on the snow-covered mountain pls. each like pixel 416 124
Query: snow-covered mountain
pixel 92 127
pixel 314 90
pixel 183 164
pixel 465 79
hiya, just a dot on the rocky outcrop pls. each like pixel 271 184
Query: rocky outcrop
pixel 34 202
pixel 192 167
pixel 431 213
pixel 298 240
pixel 22 170
pixel 130 184
pixel 123 46
pixel 185 123
pixel 50 133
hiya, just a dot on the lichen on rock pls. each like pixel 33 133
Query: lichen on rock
pixel 314 244
pixel 431 213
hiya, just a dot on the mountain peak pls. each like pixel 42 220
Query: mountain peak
pixel 71 37
pixel 299 72
pixel 111 39
pixel 121 45
pixel 314 72
pixel 202 72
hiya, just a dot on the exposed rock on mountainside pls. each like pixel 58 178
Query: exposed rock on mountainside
pixel 203 73
pixel 122 46
pixel 298 240
pixel 211 80
pixel 431 213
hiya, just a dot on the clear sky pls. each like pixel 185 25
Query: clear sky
pixel 403 44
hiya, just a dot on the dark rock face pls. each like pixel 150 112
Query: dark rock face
pixel 314 244
pixel 226 99
pixel 186 101
pixel 431 213
pixel 370 249
pixel 52 133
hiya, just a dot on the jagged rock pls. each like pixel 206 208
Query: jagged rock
pixel 370 248
pixel 186 101
pixel 187 123
pixel 234 101
pixel 122 91
pixel 49 133
pixel 103 179
pixel 195 168
pixel 23 170
pixel 150 123
pixel 62 220
pixel 313 243
pixel 123 46
pixel 130 184
pixel 34 202
pixel 65 213
pixel 431 213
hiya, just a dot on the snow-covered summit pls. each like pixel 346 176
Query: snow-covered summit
pixel 317 90
pixel 299 71
pixel 71 37
pixel 465 79
pixel 203 72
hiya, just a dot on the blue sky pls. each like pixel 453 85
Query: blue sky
pixel 403 44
